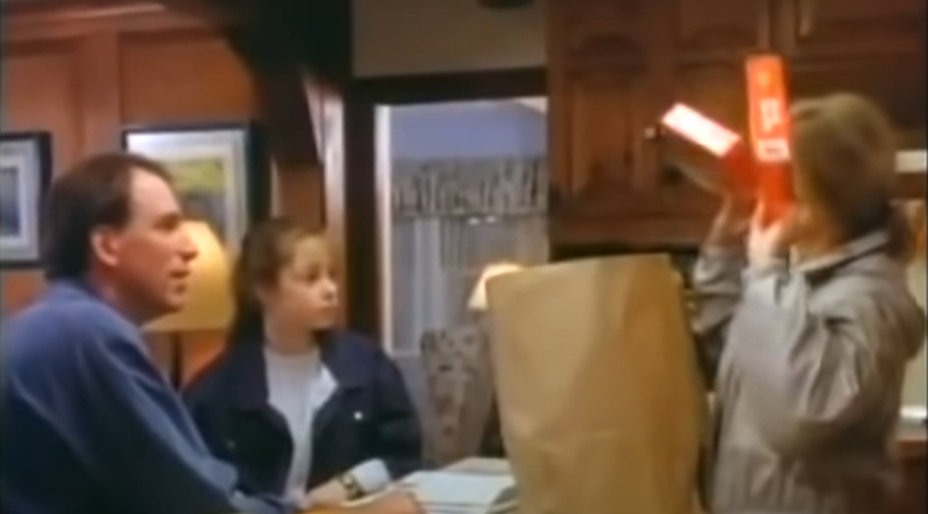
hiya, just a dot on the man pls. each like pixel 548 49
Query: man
pixel 89 424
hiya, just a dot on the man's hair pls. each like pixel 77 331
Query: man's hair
pixel 94 193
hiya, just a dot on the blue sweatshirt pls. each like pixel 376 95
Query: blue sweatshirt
pixel 90 425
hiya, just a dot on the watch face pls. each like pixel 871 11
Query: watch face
pixel 351 486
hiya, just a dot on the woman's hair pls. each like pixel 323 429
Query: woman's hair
pixel 844 154
pixel 267 248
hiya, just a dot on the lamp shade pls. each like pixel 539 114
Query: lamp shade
pixel 209 293
pixel 478 298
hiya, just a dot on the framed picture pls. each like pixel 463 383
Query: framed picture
pixel 25 174
pixel 221 172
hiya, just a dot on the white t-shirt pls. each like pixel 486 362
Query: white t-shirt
pixel 297 386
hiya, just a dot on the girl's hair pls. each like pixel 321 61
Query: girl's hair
pixel 267 248
pixel 844 151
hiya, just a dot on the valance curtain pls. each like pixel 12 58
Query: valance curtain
pixel 450 218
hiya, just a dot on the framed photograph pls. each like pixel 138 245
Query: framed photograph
pixel 221 172
pixel 25 174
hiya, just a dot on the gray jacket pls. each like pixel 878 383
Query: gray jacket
pixel 809 365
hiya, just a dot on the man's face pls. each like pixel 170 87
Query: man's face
pixel 150 257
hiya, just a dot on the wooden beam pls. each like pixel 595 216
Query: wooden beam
pixel 299 56
pixel 282 105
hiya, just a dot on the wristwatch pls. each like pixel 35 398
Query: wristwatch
pixel 351 485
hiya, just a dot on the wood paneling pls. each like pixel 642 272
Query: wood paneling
pixel 184 76
pixel 85 74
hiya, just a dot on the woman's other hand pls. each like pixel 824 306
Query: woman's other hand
pixel 394 502
pixel 731 223
pixel 769 242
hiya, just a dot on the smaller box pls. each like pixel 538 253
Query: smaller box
pixel 718 140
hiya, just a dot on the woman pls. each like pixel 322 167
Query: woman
pixel 811 353
pixel 299 407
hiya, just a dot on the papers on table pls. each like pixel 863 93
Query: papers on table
pixel 472 486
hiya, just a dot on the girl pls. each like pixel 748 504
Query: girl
pixel 301 408
pixel 811 355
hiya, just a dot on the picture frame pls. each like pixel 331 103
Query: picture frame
pixel 220 170
pixel 25 176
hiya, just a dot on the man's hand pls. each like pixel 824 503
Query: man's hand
pixel 393 502
pixel 329 494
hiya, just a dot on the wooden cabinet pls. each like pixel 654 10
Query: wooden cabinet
pixel 600 93
pixel 850 29
pixel 719 30
pixel 911 498
pixel 616 65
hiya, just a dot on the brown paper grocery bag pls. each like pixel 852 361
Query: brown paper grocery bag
pixel 601 403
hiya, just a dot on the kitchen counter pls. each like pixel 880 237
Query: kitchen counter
pixel 912 449
pixel 911 499
pixel 912 443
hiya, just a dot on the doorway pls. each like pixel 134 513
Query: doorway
pixel 463 185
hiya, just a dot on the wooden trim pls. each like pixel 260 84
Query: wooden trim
pixel 449 87
pixel 32 14
pixel 360 223
pixel 71 21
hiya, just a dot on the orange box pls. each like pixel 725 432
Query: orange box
pixel 769 122
pixel 718 140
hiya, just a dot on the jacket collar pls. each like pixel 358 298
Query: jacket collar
pixel 247 371
pixel 849 253
pixel 72 289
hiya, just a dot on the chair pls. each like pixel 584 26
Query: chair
pixel 460 383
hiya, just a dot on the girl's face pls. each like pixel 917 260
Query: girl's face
pixel 306 296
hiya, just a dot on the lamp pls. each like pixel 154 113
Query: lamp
pixel 209 296
pixel 478 298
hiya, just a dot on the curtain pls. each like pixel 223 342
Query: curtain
pixel 450 218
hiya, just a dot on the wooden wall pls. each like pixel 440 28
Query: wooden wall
pixel 84 74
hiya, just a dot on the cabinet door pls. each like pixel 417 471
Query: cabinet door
pixel 720 30
pixel 598 33
pixel 597 49
pixel 852 29
pixel 600 135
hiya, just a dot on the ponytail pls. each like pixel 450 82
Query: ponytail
pixel 900 233
pixel 247 325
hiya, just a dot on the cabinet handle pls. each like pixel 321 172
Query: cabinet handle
pixel 806 16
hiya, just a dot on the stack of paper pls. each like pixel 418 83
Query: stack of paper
pixel 481 466
pixel 478 491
